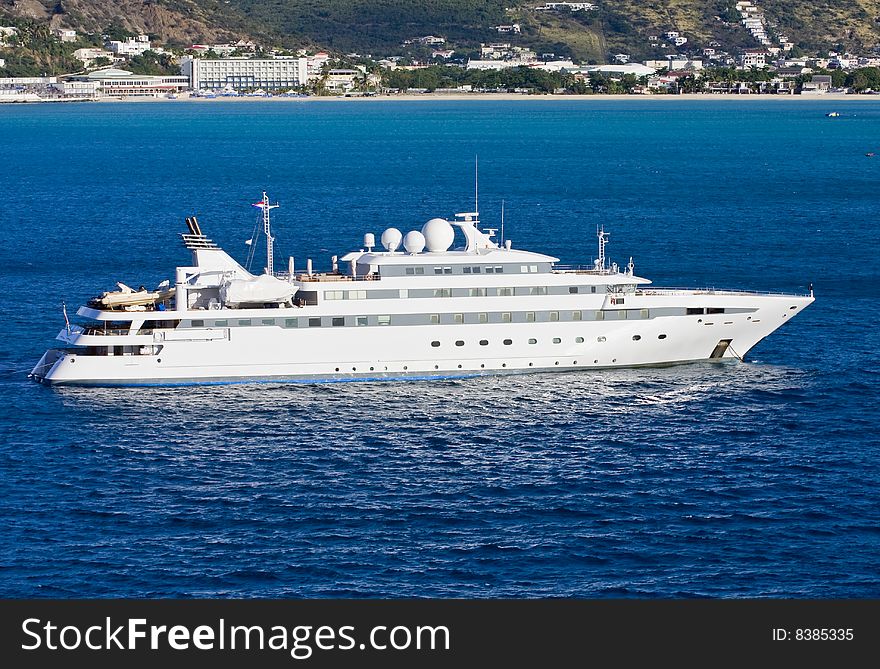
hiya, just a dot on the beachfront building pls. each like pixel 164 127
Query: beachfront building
pixel 122 83
pixel 269 74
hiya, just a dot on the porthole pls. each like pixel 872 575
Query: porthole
pixel 575 362
pixel 405 368
pixel 600 339
pixel 436 366
pixel 578 340
pixel 484 342
pixel 508 342
pixel 531 363
pixel 504 364
pixel 435 344
pixel 459 366
pixel 459 343
pixel 533 341
pixel 557 340
pixel 371 369
pixel 663 336
pixel 482 366
pixel 157 360
pixel 556 363
pixel 614 360
pixel 636 337
pixel 354 369
pixel 337 369
pixel 73 360
pixel 595 361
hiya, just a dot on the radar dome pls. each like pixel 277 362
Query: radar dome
pixel 391 239
pixel 414 242
pixel 439 235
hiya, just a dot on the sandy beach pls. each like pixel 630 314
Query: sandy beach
pixel 434 97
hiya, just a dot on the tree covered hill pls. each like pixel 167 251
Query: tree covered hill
pixel 378 27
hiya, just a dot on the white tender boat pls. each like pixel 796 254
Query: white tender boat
pixel 416 307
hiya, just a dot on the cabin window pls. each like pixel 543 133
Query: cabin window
pixel 466 270
pixel 637 337
pixel 662 336
pixel 459 343
pixel 533 269
pixel 573 289
pixel 290 322
pixel 694 311
pixel 554 316
pixel 483 318
pixel 307 297
pixel 557 340
pixel 533 341
pixel 458 318
pixel 530 316
pixel 314 322
pixel 578 340
pixel 338 321
pixel 476 270
pixel 592 289
pixel 576 315
pixel 268 321
pixel 600 339
pixel 438 270
pixel 198 324
pixel 478 292
pixel 508 342
pixel 505 292
pixel 219 324
pixel 499 269
pixel 538 290
pixel 435 319
pixel 435 344
pixel 244 322
pixel 484 342
pixel 356 294
pixel 524 269
pixel 383 320
pixel 447 270
pixel 714 310
pixel 333 294
pixel 362 320
pixel 645 313
pixel 410 270
pixel 600 315
pixel 506 317
pixel 443 292
pixel 420 270
pixel 490 270
pixel 403 293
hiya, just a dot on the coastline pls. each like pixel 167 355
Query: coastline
pixel 507 97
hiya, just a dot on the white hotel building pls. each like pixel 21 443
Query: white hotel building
pixel 245 73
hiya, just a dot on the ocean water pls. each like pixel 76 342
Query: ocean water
pixel 755 479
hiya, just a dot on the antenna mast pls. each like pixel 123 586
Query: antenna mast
pixel 477 186
pixel 270 251
pixel 502 222
pixel 603 240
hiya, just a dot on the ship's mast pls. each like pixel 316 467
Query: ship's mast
pixel 603 240
pixel 267 229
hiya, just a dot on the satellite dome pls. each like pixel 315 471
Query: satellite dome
pixel 414 242
pixel 439 235
pixel 391 239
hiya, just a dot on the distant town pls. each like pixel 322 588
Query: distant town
pixel 128 66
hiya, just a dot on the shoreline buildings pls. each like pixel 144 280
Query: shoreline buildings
pixel 269 74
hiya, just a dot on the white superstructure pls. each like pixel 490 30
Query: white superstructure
pixel 414 307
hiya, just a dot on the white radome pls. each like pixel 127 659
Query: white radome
pixel 414 242
pixel 439 235
pixel 391 239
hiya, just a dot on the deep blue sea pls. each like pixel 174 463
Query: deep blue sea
pixel 755 479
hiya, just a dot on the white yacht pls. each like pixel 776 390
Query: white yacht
pixel 414 307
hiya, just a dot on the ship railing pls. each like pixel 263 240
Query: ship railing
pixel 325 276
pixel 582 269
pixel 676 290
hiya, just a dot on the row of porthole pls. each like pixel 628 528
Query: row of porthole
pixel 482 366
pixel 556 340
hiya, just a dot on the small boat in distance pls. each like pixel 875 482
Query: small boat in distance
pixel 832 114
